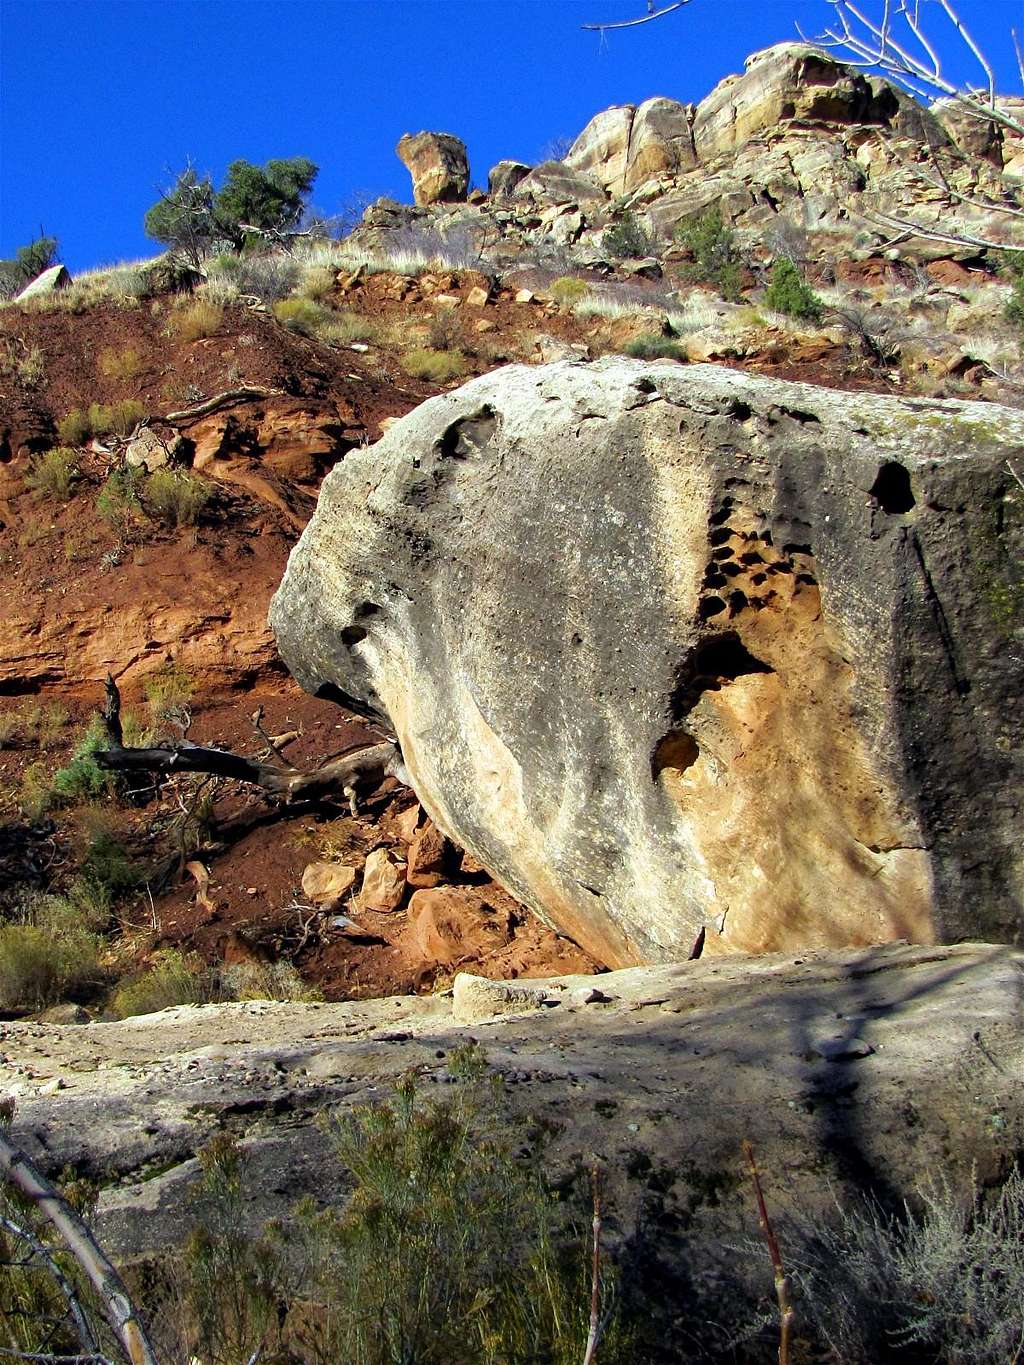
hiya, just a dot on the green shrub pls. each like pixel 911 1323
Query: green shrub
pixel 651 347
pixel 167 689
pixel 435 366
pixel 300 315
pixel 627 238
pixel 54 473
pixel 41 962
pixel 118 500
pixel 123 364
pixel 35 796
pixel 105 874
pixel 344 327
pixel 569 290
pixel 789 294
pixel 318 282
pixel 175 497
pixel 266 981
pixel 171 980
pixel 83 779
pixel 74 429
pixel 715 258
pixel 193 321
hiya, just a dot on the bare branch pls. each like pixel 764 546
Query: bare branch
pixel 120 1311
pixel 594 1334
pixel 782 1285
pixel 652 13
pixel 85 1334
pixel 249 393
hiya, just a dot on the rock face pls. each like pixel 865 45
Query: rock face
pixel 438 165
pixel 56 277
pixel 504 177
pixel 626 145
pixel 671 649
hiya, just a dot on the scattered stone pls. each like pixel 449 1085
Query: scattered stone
pixel 484 325
pixel 383 882
pixel 447 301
pixel 52 1086
pixel 325 884
pixel 590 995
pixel 524 296
pixel 452 923
pixel 478 297
pixel 427 853
pixel 148 451
pixel 64 1014
pixel 406 823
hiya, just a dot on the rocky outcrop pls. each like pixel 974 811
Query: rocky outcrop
pixel 49 282
pixel 556 183
pixel 823 1064
pixel 624 146
pixel 504 177
pixel 682 652
pixel 438 165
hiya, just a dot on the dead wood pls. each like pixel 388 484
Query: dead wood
pixel 248 394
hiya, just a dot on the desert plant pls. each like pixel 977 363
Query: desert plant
pixel 435 366
pixel 569 290
pixel 171 979
pixel 789 294
pixel 40 962
pixel 445 331
pixel 28 262
pixel 195 320
pixel 713 247
pixel 74 429
pixel 118 500
pixel 266 199
pixel 35 795
pixel 318 282
pixel 344 327
pixel 123 364
pixel 300 315
pixel 53 474
pixel 268 277
pixel 183 217
pixel 941 1281
pixel 266 981
pixel 176 498
pixel 82 779
pixel 627 238
pixel 167 690
pixel 651 347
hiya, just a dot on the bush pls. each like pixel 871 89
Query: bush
pixel 789 294
pixel 53 474
pixel 176 498
pixel 715 258
pixel 651 347
pixel 271 197
pixel 627 238
pixel 74 429
pixel 82 779
pixel 435 366
pixel 41 961
pixel 171 980
pixel 267 277
pixel 118 500
pixel 167 690
pixel 569 290
pixel 193 321
pixel 445 331
pixel 944 1283
pixel 124 364
pixel 266 981
pixel 300 315
pixel 29 261
pixel 183 217
pixel 318 282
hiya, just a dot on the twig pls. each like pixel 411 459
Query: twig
pixel 594 1334
pixel 652 13
pixel 120 1310
pixel 85 1333
pixel 250 393
pixel 781 1278
pixel 1014 473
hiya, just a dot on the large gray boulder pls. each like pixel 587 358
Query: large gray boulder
pixel 681 649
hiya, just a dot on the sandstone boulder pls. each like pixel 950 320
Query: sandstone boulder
pixel 326 884
pixel 438 165
pixel 451 923
pixel 552 182
pixel 504 177
pixel 679 648
pixel 427 853
pixel 623 146
pixel 602 149
pixel 383 882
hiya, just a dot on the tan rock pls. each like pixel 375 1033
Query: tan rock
pixel 447 301
pixel 48 282
pixel 438 165
pixel 524 296
pixel 451 923
pixel 504 177
pixel 478 297
pixel 325 884
pixel 484 325
pixel 602 149
pixel 661 141
pixel 427 854
pixel 148 452
pixel 406 824
pixel 475 998
pixel 383 882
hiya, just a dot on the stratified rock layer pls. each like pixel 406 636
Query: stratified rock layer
pixel 680 649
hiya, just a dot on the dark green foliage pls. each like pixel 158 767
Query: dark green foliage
pixel 715 258
pixel 651 347
pixel 118 500
pixel 183 217
pixel 270 198
pixel 789 294
pixel 627 238
pixel 1011 265
pixel 83 778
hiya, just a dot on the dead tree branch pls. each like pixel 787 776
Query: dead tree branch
pixel 652 13
pixel 782 1285
pixel 120 1311
pixel 594 1333
pixel 249 393
pixel 352 774
pixel 86 1337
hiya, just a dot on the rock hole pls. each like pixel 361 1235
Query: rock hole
pixel 741 411
pixel 714 580
pixel 737 601
pixel 352 635
pixel 710 606
pixel 796 549
pixel 804 418
pixel 758 578
pixel 364 610
pixel 677 750
pixel 751 557
pixel 723 513
pixel 723 552
pixel 807 578
pixel 468 436
pixel 891 489
pixel 731 569
pixel 719 660
pixel 720 535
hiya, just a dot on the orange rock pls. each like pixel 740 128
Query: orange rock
pixel 426 856
pixel 326 883
pixel 453 922
pixel 405 824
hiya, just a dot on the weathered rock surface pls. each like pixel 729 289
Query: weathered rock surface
pixel 52 279
pixel 438 165
pixel 666 1070
pixel 504 177
pixel 679 649
pixel 628 144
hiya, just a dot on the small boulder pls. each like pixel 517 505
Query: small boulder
pixel 148 452
pixel 64 1014
pixel 552 182
pixel 427 853
pixel 405 824
pixel 325 884
pixel 476 999
pixel 48 282
pixel 383 883
pixel 438 165
pixel 504 177
pixel 478 297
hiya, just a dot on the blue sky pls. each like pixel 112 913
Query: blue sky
pixel 102 100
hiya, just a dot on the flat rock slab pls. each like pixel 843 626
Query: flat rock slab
pixel 863 1069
